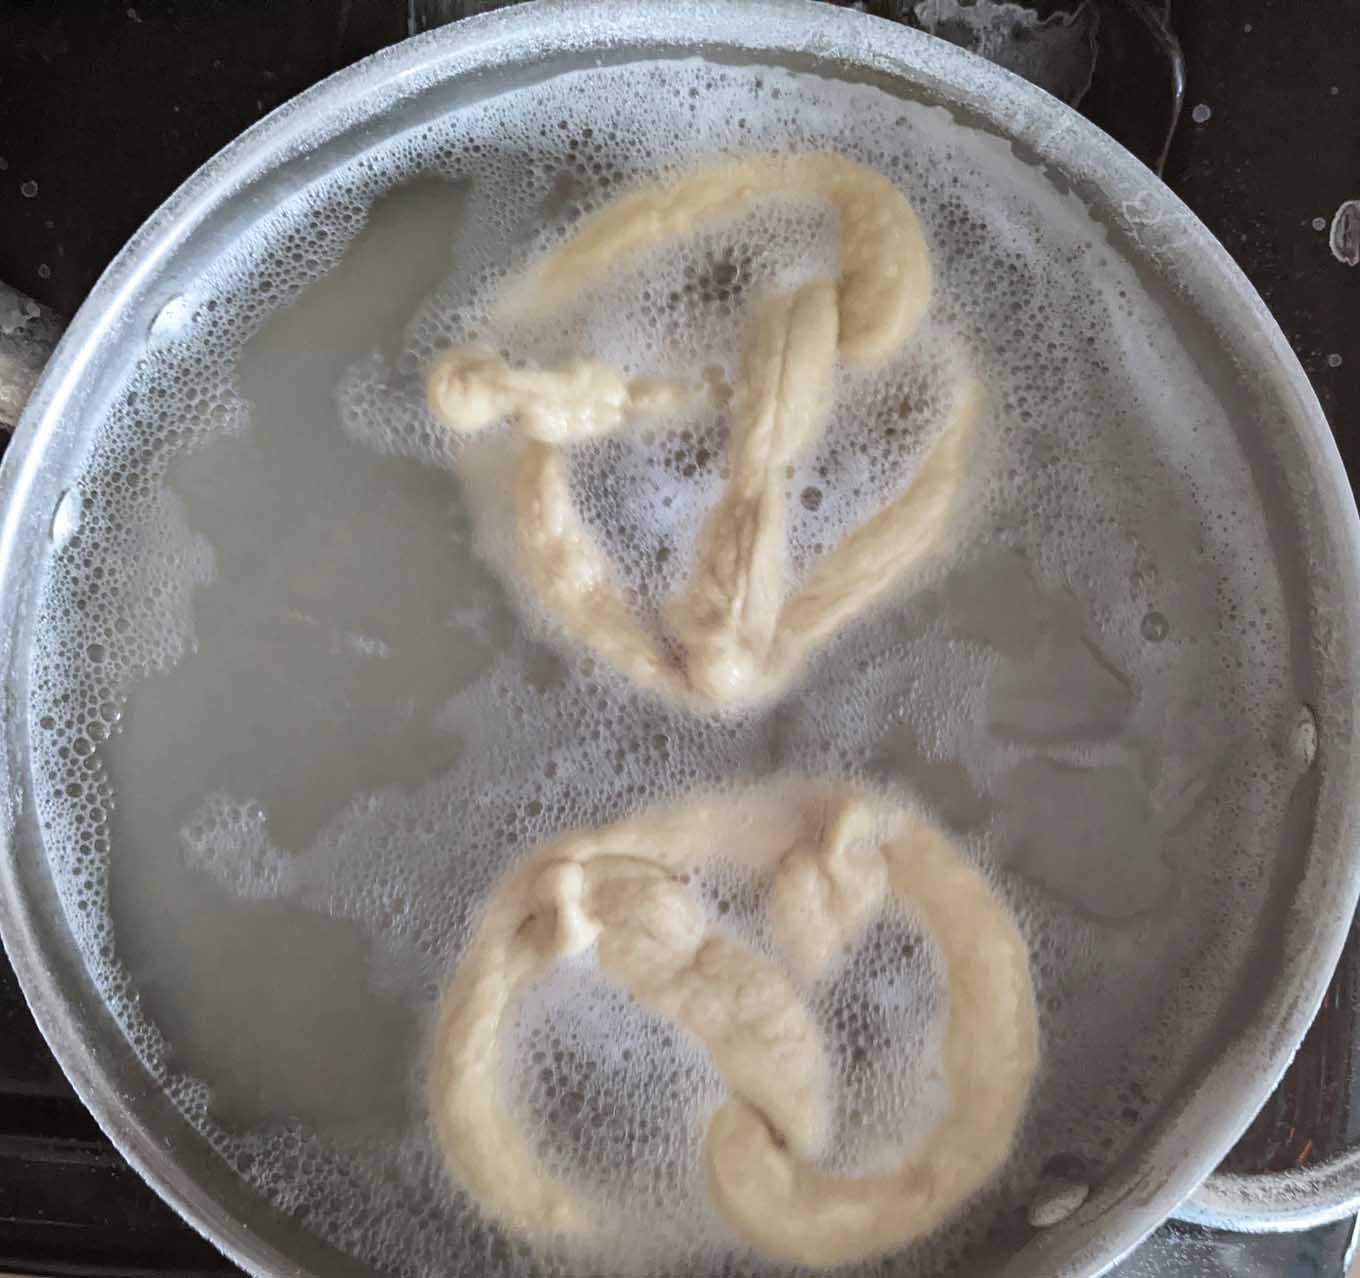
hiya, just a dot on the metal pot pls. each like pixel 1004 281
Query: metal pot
pixel 1299 476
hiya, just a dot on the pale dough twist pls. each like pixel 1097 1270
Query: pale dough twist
pixel 475 388
pixel 775 1199
pixel 616 888
pixel 729 618
pixel 838 854
pixel 884 286
pixel 742 639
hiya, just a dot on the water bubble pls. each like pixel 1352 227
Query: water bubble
pixel 1056 1201
pixel 172 318
pixel 1303 740
pixel 1154 627
pixel 66 517
pixel 1201 113
pixel 1345 234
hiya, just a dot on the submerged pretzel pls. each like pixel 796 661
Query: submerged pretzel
pixel 838 855
pixel 741 637
pixel 783 1205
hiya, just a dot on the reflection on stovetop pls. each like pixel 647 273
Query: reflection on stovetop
pixel 1266 171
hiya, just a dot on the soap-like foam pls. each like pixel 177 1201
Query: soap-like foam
pixel 1121 774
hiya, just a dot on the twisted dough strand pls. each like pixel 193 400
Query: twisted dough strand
pixel 741 639
pixel 472 387
pixel 567 571
pixel 728 618
pixel 653 940
pixel 786 1207
pixel 884 288
pixel 870 560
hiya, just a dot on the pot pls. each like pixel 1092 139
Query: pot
pixel 1297 474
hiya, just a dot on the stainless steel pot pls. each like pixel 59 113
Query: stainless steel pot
pixel 1299 476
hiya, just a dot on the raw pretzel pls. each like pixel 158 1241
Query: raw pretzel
pixel 741 637
pixel 838 855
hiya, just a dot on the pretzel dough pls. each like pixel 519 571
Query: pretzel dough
pixel 617 888
pixel 837 855
pixel 741 638
pixel 884 285
pixel 474 387
pixel 729 618
pixel 787 1208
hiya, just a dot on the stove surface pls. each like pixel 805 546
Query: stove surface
pixel 1262 145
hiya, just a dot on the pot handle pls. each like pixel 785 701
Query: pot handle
pixel 1307 1138
pixel 1278 1202
pixel 28 333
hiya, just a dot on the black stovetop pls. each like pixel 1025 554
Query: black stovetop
pixel 106 107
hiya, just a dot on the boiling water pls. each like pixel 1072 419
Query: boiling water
pixel 294 721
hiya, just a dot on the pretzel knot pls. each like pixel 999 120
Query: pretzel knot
pixel 740 635
pixel 837 856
